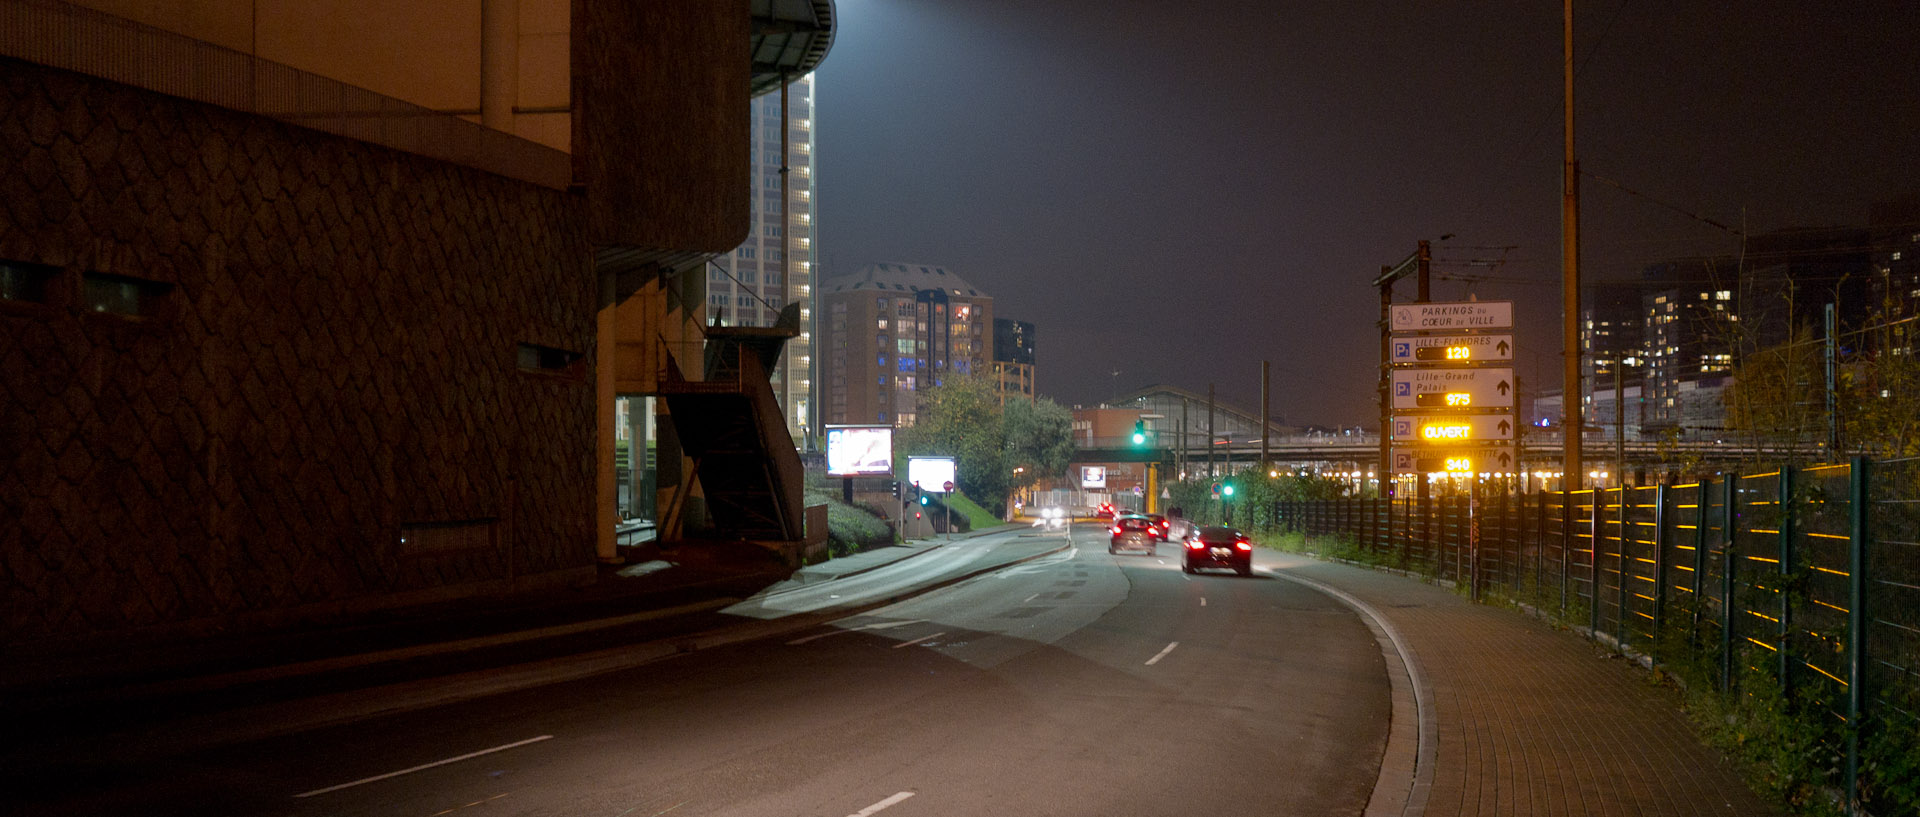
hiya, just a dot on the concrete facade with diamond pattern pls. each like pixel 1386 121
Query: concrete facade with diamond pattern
pixel 325 353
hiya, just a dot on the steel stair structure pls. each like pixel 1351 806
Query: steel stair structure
pixel 732 428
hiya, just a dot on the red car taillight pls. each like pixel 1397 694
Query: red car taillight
pixel 1115 530
pixel 1243 545
pixel 1195 544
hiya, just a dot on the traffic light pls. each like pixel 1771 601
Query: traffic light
pixel 1226 489
pixel 896 489
pixel 1139 432
pixel 926 500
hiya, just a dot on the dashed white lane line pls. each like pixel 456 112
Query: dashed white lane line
pixel 424 766
pixel 1162 654
pixel 1030 598
pixel 876 808
pixel 1203 601
pixel 918 640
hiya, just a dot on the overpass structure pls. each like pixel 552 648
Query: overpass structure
pixel 1363 451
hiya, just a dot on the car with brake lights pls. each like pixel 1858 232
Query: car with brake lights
pixel 1132 532
pixel 1160 526
pixel 1218 547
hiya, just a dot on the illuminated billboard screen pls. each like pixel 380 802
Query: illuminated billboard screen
pixel 859 451
pixel 1093 476
pixel 931 473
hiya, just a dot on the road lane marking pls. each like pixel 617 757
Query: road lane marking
pixel 876 808
pixel 1162 654
pixel 1030 598
pixel 1203 601
pixel 884 625
pixel 918 640
pixel 424 766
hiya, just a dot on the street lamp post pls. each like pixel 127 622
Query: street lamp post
pixel 1620 415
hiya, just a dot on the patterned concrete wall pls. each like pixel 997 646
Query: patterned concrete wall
pixel 330 353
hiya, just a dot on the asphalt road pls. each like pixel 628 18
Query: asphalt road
pixel 1078 683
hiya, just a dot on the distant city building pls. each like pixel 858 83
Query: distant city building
pixel 1013 358
pixel 1611 326
pixel 1895 226
pixel 892 331
pixel 1689 331
pixel 774 267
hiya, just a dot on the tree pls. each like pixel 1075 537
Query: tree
pixel 1039 438
pixel 1778 397
pixel 961 418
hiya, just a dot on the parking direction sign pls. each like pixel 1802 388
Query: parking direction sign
pixel 1452 429
pixel 1442 349
pixel 1452 316
pixel 1453 388
pixel 1493 459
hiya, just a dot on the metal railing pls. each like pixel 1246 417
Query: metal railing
pixel 1801 582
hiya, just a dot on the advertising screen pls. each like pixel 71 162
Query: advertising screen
pixel 1093 476
pixel 932 473
pixel 859 451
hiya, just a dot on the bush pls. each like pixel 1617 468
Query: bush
pixel 851 530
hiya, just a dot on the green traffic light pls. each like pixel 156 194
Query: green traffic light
pixel 1139 438
pixel 925 500
pixel 1227 489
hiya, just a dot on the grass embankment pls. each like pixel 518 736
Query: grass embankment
pixel 978 518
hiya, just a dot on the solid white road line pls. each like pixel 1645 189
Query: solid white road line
pixel 918 640
pixel 884 625
pixel 876 808
pixel 425 766
pixel 1162 654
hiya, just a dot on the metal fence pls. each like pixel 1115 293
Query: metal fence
pixel 1804 582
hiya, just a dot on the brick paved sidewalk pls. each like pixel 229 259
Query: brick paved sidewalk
pixel 1534 722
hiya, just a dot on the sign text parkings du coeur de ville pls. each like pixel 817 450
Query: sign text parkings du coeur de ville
pixel 1452 316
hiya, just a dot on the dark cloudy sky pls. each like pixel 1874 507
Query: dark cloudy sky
pixel 1179 190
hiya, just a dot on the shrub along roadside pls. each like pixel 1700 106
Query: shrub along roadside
pixel 850 529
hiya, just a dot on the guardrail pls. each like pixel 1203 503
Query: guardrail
pixel 1801 582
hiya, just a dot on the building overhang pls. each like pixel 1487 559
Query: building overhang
pixel 790 39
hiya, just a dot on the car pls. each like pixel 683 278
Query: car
pixel 1052 518
pixel 1218 546
pixel 1105 511
pixel 1133 532
pixel 1160 526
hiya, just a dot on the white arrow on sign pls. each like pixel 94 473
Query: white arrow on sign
pixel 1424 459
pixel 1452 348
pixel 1452 316
pixel 1453 429
pixel 1453 388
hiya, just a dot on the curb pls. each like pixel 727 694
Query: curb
pixel 288 717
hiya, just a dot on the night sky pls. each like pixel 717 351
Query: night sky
pixel 1177 190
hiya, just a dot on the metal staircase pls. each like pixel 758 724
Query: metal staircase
pixel 732 428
